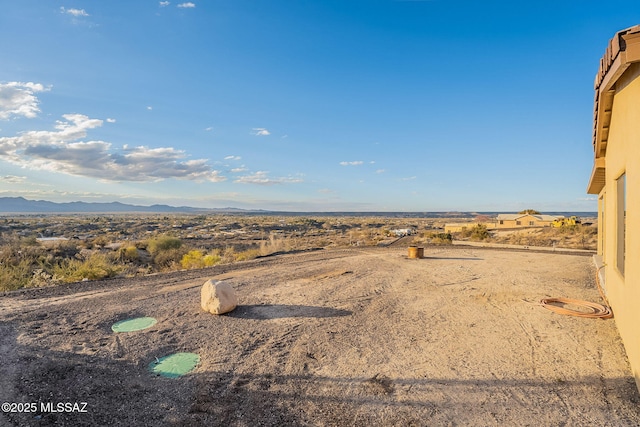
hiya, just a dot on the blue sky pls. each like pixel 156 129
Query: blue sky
pixel 303 105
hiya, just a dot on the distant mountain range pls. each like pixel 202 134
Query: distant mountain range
pixel 24 206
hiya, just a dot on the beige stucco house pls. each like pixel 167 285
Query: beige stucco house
pixel 524 220
pixel 616 180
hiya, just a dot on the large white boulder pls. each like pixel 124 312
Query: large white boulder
pixel 217 297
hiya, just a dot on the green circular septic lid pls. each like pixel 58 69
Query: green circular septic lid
pixel 130 325
pixel 174 365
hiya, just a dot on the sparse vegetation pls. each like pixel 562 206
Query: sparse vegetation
pixel 14 275
pixel 434 238
pixel 477 232
pixel 572 236
pixel 247 255
pixel 96 266
pixel 129 254
pixel 45 250
pixel 163 243
pixel 198 259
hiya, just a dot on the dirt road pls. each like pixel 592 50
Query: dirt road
pixel 327 338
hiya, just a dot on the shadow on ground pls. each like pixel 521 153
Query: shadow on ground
pixel 119 392
pixel 281 311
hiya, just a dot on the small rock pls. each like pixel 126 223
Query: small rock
pixel 217 297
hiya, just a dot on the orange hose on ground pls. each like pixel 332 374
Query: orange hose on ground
pixel 597 311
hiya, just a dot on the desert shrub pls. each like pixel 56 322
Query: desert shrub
pixel 323 243
pixel 229 255
pixel 96 266
pixel 15 275
pixel 197 259
pixel 41 277
pixel 18 259
pixel 163 243
pixel 517 239
pixel 435 238
pixel 192 259
pixel 65 249
pixel 30 241
pixel 212 259
pixel 247 255
pixel 274 244
pixel 99 241
pixel 166 251
pixel 477 232
pixel 168 258
pixel 128 254
pixel 569 236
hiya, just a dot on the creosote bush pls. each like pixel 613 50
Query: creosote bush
pixel 169 259
pixel 96 266
pixel 166 251
pixel 163 243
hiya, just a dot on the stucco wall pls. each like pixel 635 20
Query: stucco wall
pixel 524 222
pixel 623 156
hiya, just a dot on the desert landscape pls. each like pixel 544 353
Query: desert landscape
pixel 355 336
pixel 48 249
pixel 417 213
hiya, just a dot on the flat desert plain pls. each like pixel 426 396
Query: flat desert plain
pixel 357 337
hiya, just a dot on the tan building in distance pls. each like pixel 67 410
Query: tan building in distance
pixel 616 180
pixel 505 221
pixel 525 220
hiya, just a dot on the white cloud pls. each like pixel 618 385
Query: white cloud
pixel 238 170
pixel 19 99
pixel 12 179
pixel 209 129
pixel 354 163
pixel 74 12
pixel 109 120
pixel 410 178
pixel 187 5
pixel 64 151
pixel 261 178
pixel 233 158
pixel 260 132
pixel 164 3
pixel 149 108
pixel 380 171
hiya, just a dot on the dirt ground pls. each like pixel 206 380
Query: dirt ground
pixel 356 337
